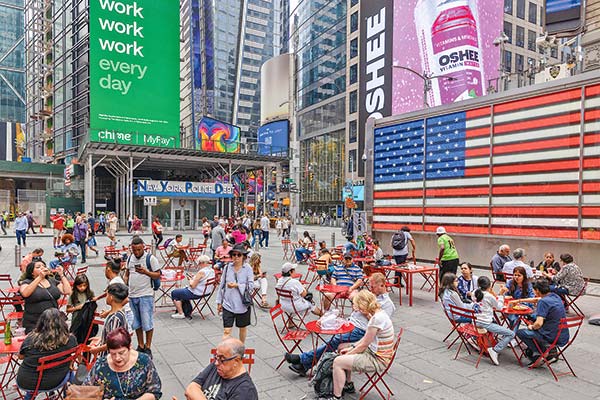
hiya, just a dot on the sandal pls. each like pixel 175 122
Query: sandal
pixel 264 304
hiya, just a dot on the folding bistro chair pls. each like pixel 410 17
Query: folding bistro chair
pixel 376 377
pixel 288 252
pixel 203 302
pixel 296 336
pixel 570 300
pixel 9 290
pixel 453 324
pixel 290 318
pixel 9 306
pixel 484 338
pixel 565 323
pixel 248 359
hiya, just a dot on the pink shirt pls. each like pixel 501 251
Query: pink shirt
pixel 223 251
pixel 238 236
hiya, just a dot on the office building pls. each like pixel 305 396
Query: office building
pixel 12 62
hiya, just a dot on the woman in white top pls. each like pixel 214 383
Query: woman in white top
pixel 196 289
pixel 298 291
pixel 371 353
pixel 260 279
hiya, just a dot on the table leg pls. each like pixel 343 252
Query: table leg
pixel 409 287
pixel 436 284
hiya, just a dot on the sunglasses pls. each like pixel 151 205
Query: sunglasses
pixel 222 360
pixel 235 254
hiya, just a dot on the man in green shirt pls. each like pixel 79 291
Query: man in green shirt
pixel 447 256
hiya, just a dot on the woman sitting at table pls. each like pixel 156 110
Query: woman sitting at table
pixel 449 294
pixel 298 291
pixel 222 252
pixel 195 290
pixel 378 254
pixel 68 252
pixel 568 280
pixel 549 264
pixel 125 373
pixel 260 279
pixel 467 282
pixel 370 354
pixel 303 252
pixel 41 291
pixel 518 287
pixel 50 336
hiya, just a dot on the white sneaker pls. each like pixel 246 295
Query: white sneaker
pixel 177 316
pixel 493 355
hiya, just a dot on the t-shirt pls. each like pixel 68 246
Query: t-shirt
pixel 552 309
pixel 140 284
pixel 509 267
pixel 136 225
pixel 450 252
pixel 112 322
pixel 58 223
pixel 216 388
pixel 346 276
pixel 404 250
pixel 222 251
pixel 383 344
pixel 27 376
pixel 486 306
pixel 81 298
pixel 40 300
pixel 296 288
pixel 209 273
pixel 126 308
pixel 156 228
pixel 264 224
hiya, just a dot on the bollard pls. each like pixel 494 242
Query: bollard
pixel 153 247
pixel 314 238
pixel 191 242
pixel 17 256
pixel 332 239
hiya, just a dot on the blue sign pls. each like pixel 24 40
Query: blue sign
pixel 357 193
pixel 340 211
pixel 174 189
pixel 273 138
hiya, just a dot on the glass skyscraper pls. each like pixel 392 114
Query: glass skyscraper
pixel 12 61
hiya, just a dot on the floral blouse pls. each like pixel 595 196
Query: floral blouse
pixel 140 379
pixel 571 278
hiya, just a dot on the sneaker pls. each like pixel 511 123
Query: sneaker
pixel 493 355
pixel 552 356
pixel 292 358
pixel 148 352
pixel 533 361
pixel 330 397
pixel 298 368
pixel 348 388
pixel 177 316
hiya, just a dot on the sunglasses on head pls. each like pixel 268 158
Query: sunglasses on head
pixel 236 254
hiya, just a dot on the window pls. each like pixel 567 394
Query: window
pixel 354 48
pixel 554 52
pixel 353 106
pixel 532 13
pixel 354 22
pixel 353 3
pixel 520 39
pixel 508 6
pixel 519 62
pixel 521 9
pixel 508 31
pixel 352 167
pixel 507 61
pixel 531 36
pixel 353 73
pixel 353 131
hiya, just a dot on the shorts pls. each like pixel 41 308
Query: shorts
pixel 241 320
pixel 111 232
pixel 143 312
pixel 367 362
pixel 58 233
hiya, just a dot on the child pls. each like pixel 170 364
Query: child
pixel 116 298
pixel 486 302
pixel 81 294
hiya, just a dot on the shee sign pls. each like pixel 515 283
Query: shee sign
pixel 134 72
pixel 184 189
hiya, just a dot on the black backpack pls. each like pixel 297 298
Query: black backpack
pixel 399 240
pixel 322 381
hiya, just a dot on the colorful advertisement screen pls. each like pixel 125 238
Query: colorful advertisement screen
pixel 134 72
pixel 217 136
pixel 563 16
pixel 273 138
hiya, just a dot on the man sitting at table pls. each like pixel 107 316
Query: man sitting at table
pixel 550 310
pixel 303 362
pixel 347 274
pixel 225 378
pixel 175 249
pixel 378 255
pixel 497 262
pixel 518 255
pixel 222 252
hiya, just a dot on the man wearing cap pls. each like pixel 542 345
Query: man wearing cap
pixel 447 256
pixel 197 289
pixel 347 274
pixel 298 291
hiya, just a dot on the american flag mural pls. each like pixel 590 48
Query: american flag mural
pixel 527 167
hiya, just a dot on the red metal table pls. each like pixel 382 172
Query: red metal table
pixel 340 293
pixel 11 365
pixel 317 333
pixel 408 271
pixel 503 320
pixel 166 286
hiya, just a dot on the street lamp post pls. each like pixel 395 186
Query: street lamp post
pixel 427 79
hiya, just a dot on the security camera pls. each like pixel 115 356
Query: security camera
pixel 501 39
pixel 546 41
pixel 364 157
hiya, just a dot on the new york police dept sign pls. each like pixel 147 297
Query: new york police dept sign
pixel 184 189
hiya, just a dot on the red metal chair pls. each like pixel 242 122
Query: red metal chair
pixel 565 323
pixel 292 317
pixel 248 359
pixel 453 324
pixel 9 366
pixel 11 289
pixel 469 330
pixel 377 377
pixel 8 308
pixel 210 287
pixel 288 250
pixel 570 300
pixel 291 335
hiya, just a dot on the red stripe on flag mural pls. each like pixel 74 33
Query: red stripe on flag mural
pixel 478 132
pixel 591 211
pixel 457 211
pixel 459 192
pixel 477 171
pixel 592 91
pixel 469 229
pixel 512 127
pixel 591 138
pixel 398 193
pixel 535 232
pixel 554 143
pixel 397 210
pixel 544 189
pixel 519 105
pixel 478 112
pixel 589 163
pixel 477 152
pixel 592 115
pixel 590 235
pixel 394 227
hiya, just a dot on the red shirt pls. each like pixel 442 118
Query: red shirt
pixel 155 226
pixel 58 222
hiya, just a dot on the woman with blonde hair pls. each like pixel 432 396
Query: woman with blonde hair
pixel 260 279
pixel 371 353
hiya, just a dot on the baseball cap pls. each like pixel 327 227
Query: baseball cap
pixel 348 255
pixel 440 230
pixel 287 267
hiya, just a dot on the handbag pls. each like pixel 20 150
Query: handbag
pixel 246 295
pixel 84 392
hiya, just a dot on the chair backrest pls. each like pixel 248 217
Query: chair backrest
pixel 6 278
pixel 284 293
pixel 568 324
pixel 54 361
pixel 212 282
pixel 395 350
pixel 82 270
pixel 10 301
pixel 461 312
pixel 248 359
pixel 97 321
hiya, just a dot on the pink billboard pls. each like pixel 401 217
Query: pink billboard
pixel 450 40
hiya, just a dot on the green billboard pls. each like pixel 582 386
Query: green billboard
pixel 134 72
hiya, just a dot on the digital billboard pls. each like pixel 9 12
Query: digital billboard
pixel 273 138
pixel 134 72
pixel 217 136
pixel 563 16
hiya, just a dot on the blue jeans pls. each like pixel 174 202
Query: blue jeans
pixel 21 234
pixel 505 335
pixel 301 253
pixel 82 246
pixel 561 291
pixel 307 357
pixel 527 337
pixel 143 312
pixel 265 238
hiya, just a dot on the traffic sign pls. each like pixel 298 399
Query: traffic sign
pixel 150 200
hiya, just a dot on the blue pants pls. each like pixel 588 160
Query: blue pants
pixel 505 335
pixel 82 246
pixel 561 291
pixel 307 357
pixel 265 238
pixel 302 253
pixel 21 234
pixel 67 379
pixel 255 237
pixel 527 337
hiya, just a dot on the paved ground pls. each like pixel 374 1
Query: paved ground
pixel 424 368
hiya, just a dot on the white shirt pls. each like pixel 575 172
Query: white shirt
pixel 404 250
pixel 510 266
pixel 264 223
pixel 139 284
pixel 209 273
pixel 296 288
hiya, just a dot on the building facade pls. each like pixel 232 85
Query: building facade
pixel 12 61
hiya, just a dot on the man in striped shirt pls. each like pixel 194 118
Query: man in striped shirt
pixel 347 274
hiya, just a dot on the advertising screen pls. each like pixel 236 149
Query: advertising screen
pixel 563 16
pixel 134 72
pixel 273 138
pixel 213 135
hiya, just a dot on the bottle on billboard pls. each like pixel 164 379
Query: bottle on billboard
pixel 450 46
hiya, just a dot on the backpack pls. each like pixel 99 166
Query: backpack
pixel 155 282
pixel 399 240
pixel 322 381
pixel 167 242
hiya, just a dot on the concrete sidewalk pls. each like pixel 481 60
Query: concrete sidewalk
pixel 423 369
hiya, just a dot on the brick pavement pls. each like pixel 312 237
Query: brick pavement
pixel 424 369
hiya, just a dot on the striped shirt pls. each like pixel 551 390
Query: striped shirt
pixel 346 276
pixel 383 344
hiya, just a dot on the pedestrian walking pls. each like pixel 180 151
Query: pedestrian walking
pixel 102 223
pixel 112 228
pixel 157 231
pixel 31 223
pixel 448 255
pixel 3 223
pixel 21 229
pixel 264 228
pixel 80 233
